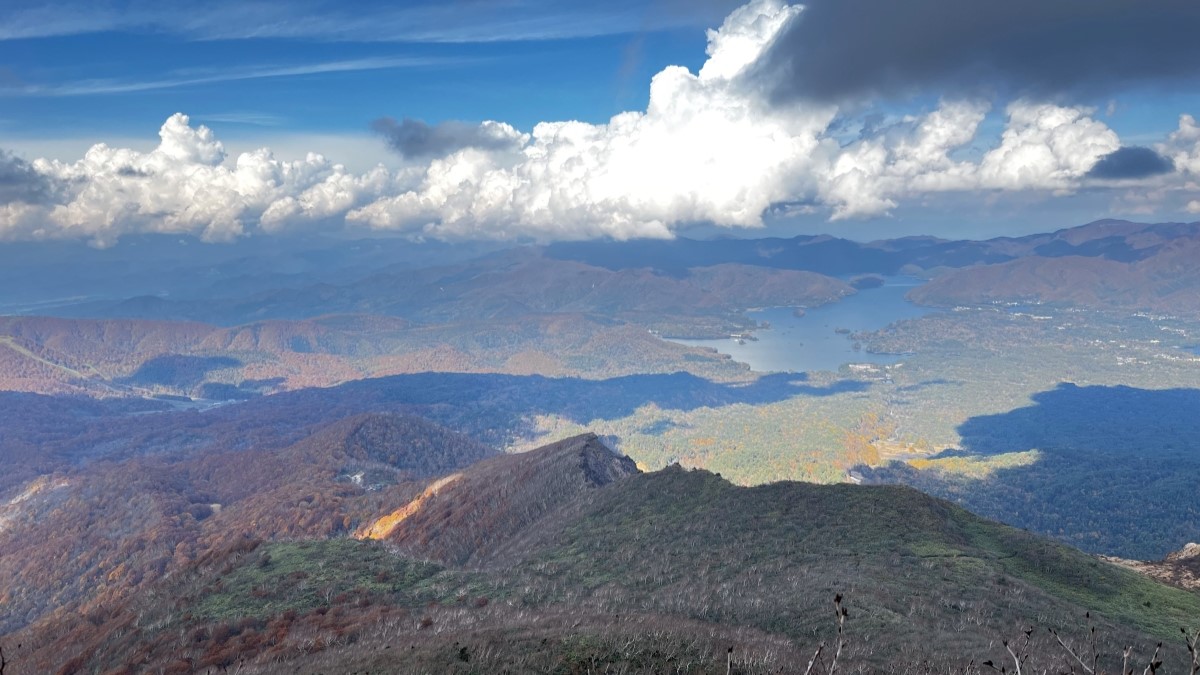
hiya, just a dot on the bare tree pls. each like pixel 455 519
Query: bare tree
pixel 1154 664
pixel 1193 647
pixel 1018 652
pixel 1090 670
pixel 841 636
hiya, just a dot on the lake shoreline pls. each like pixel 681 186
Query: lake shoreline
pixel 820 338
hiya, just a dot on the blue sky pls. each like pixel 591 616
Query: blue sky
pixel 125 80
pixel 103 78
pixel 315 76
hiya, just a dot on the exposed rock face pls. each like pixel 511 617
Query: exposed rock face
pixel 1181 568
pixel 1186 553
pixel 601 465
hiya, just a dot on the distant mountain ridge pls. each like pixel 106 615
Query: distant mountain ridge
pixel 143 357
pixel 1105 265
pixel 559 309
pixel 656 276
pixel 562 277
pixel 514 283
pixel 1117 240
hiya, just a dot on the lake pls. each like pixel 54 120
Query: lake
pixel 812 342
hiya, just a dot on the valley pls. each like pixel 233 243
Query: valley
pixel 499 457
pixel 817 339
pixel 642 337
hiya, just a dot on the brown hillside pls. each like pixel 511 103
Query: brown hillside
pixel 112 527
pixel 1181 568
pixel 1110 264
pixel 485 510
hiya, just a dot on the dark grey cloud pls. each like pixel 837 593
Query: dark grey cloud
pixel 20 183
pixel 134 172
pixel 418 139
pixel 1131 162
pixel 839 49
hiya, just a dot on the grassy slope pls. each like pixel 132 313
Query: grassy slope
pixel 923 579
pixel 659 568
pixel 305 575
pixel 691 542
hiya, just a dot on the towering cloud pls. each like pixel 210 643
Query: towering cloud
pixel 703 150
pixel 720 146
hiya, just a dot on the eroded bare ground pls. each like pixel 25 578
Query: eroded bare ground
pixel 1181 568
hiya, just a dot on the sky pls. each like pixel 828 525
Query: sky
pixel 537 120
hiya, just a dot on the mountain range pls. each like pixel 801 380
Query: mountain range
pixel 385 543
pixel 387 466
pixel 559 309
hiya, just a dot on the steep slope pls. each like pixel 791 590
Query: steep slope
pixel 647 573
pixel 485 511
pixel 114 527
pixel 689 541
pixel 410 447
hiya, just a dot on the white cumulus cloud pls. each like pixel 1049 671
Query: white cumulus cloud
pixel 1043 147
pixel 710 147
pixel 1046 146
pixel 705 150
pixel 1183 146
pixel 186 185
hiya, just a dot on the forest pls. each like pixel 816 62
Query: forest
pixel 525 472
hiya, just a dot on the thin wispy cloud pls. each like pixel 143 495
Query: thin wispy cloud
pixel 435 22
pixel 250 118
pixel 50 20
pixel 93 87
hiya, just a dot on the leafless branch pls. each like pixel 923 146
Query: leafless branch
pixel 1092 642
pixel 1015 658
pixel 1193 647
pixel 1090 671
pixel 811 662
pixel 1152 667
pixel 841 641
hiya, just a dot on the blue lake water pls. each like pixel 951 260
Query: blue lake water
pixel 812 342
